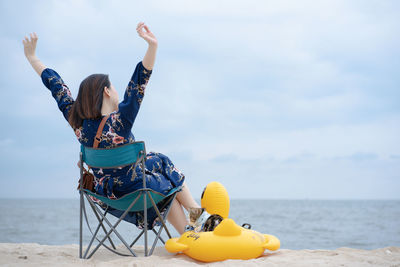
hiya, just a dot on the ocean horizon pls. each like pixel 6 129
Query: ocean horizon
pixel 298 223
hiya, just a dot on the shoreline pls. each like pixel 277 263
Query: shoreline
pixel 32 254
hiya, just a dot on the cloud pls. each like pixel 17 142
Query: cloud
pixel 6 142
pixel 360 156
pixel 238 87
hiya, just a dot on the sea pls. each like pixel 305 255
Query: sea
pixel 299 224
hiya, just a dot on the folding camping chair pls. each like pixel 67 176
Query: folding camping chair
pixel 134 153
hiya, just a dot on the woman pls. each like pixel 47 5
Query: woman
pixel 98 98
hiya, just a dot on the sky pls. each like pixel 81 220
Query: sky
pixel 274 99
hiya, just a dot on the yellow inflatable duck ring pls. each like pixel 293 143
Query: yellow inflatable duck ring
pixel 228 240
pixel 215 199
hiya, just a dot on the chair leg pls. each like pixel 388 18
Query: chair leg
pixel 88 225
pixel 102 225
pixel 137 238
pixel 145 207
pixel 81 203
pixel 114 230
pixel 156 239
pixel 156 233
pixel 80 224
pixel 145 224
pixel 92 204
pixel 158 213
pixel 158 236
pixel 97 230
pixel 91 240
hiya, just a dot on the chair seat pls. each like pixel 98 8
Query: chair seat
pixel 124 202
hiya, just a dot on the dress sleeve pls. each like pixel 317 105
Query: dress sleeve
pixel 134 93
pixel 59 90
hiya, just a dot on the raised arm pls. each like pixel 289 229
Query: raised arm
pixel 150 56
pixel 129 107
pixel 50 78
pixel 30 53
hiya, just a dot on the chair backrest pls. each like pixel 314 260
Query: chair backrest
pixel 113 157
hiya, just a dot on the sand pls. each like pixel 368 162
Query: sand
pixel 12 254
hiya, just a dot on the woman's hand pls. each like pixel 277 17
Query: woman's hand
pixel 30 53
pixel 30 45
pixel 150 56
pixel 146 35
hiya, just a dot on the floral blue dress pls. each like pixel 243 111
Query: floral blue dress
pixel 160 173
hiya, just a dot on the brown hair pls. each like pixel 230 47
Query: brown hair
pixel 89 100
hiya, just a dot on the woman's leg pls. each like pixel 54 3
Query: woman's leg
pixel 185 198
pixel 177 217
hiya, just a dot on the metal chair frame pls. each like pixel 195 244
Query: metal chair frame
pixel 100 215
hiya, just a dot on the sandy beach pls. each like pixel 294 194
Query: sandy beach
pixel 14 254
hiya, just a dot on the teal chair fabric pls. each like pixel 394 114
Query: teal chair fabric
pixel 109 158
pixel 124 202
